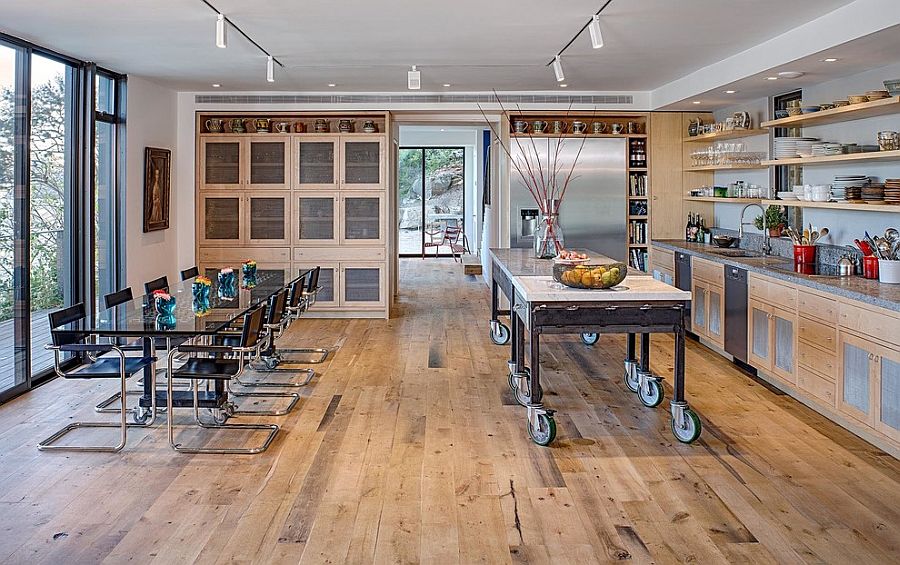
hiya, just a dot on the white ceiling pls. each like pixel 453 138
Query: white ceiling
pixel 367 46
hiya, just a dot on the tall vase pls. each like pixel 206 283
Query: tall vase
pixel 548 237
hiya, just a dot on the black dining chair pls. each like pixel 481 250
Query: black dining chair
pixel 190 273
pixel 112 300
pixel 162 283
pixel 119 297
pixel 307 298
pixel 218 363
pixel 76 341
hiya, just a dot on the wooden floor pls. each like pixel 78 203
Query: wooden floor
pixel 408 448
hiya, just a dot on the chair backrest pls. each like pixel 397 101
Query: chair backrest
pixel 275 311
pixel 61 318
pixel 295 292
pixel 190 273
pixel 118 297
pixel 313 283
pixel 253 323
pixel 162 283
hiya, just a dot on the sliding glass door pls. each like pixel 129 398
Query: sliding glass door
pixel 59 187
pixel 432 197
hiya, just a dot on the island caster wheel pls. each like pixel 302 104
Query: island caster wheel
pixel 688 429
pixel 500 334
pixel 631 380
pixel 522 396
pixel 220 415
pixel 270 363
pixel 141 415
pixel 511 379
pixel 542 429
pixel 651 393
pixel 590 338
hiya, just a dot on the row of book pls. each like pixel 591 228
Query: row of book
pixel 637 185
pixel 637 232
pixel 638 259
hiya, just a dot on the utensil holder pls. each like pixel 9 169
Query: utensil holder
pixel 888 271
pixel 804 254
pixel 870 267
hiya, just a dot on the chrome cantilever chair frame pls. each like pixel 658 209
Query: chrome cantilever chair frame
pixel 307 297
pixel 242 353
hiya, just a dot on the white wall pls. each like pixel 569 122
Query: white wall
pixel 845 225
pixel 150 122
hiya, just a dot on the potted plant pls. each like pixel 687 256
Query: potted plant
pixel 776 219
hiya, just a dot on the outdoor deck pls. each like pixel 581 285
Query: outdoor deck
pixel 41 358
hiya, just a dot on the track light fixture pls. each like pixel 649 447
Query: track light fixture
pixel 270 69
pixel 558 70
pixel 596 34
pixel 221 40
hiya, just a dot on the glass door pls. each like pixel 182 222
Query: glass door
pixel 432 187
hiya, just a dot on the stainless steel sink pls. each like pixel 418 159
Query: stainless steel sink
pixel 736 253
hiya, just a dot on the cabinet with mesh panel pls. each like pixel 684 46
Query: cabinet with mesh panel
pixel 362 218
pixel 221 218
pixel 316 218
pixel 222 163
pixel 362 162
pixel 268 162
pixel 268 217
pixel 362 285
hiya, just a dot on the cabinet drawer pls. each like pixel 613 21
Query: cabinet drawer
pixel 306 254
pixel 662 259
pixel 817 306
pixel 871 322
pixel 708 271
pixel 258 254
pixel 819 334
pixel 816 385
pixel 782 295
pixel 758 288
pixel 818 360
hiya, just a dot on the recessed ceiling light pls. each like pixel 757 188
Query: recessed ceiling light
pixel 696 101
pixel 217 85
pixel 730 91
pixel 563 85
pixel 830 60
pixel 331 84
pixel 447 85
pixel 771 78
pixel 442 129
pixel 790 74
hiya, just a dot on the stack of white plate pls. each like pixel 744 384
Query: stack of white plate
pixel 841 182
pixel 787 195
pixel 826 148
pixel 792 147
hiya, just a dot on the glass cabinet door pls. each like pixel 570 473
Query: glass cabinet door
pixel 698 307
pixel 715 311
pixel 783 355
pixel 855 378
pixel 758 329
pixel 221 219
pixel 316 219
pixel 268 162
pixel 888 370
pixel 362 285
pixel 268 218
pixel 221 163
pixel 316 162
pixel 361 219
pixel 363 162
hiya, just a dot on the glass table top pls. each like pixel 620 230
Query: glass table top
pixel 139 317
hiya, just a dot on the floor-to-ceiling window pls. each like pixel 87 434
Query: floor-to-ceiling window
pixel 432 185
pixel 59 186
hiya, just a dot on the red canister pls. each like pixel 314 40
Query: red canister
pixel 804 254
pixel 870 267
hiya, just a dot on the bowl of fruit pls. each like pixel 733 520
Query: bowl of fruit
pixel 566 257
pixel 590 276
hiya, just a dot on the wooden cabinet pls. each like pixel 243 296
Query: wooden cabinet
pixel 662 265
pixel 856 393
pixel 222 219
pixel 222 163
pixel 316 218
pixel 708 300
pixel 316 162
pixel 772 335
pixel 329 280
pixel 887 375
pixel 759 335
pixel 363 285
pixel 268 162
pixel 362 159
pixel 268 218
pixel 234 162
pixel 361 218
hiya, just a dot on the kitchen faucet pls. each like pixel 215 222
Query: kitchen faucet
pixel 767 244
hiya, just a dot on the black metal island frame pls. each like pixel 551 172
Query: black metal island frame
pixel 640 305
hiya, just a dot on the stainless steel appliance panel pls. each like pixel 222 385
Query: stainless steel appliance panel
pixel 593 212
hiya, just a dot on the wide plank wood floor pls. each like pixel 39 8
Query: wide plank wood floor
pixel 408 448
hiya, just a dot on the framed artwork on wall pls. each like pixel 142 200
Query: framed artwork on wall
pixel 157 168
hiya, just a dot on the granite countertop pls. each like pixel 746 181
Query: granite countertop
pixel 856 288
pixel 633 288
pixel 522 262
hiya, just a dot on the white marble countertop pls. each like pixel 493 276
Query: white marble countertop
pixel 639 288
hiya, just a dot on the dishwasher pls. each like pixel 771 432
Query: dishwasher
pixel 683 282
pixel 736 312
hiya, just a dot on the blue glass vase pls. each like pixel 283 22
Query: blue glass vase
pixel 165 305
pixel 227 285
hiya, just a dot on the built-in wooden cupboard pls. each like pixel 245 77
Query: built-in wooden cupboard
pixel 295 199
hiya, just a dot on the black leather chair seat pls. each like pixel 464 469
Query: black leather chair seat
pixel 208 368
pixel 108 368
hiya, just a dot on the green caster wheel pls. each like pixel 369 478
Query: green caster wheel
pixel 652 394
pixel 689 429
pixel 590 338
pixel 543 430
pixel 522 396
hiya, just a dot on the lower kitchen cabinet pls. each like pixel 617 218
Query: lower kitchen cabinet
pixel 758 334
pixel 772 335
pixel 887 367
pixel 869 383
pixel 708 311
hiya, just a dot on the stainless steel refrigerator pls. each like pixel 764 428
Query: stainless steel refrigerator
pixel 593 212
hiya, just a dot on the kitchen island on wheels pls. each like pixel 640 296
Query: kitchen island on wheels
pixel 539 306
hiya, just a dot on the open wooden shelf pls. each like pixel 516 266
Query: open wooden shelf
pixel 727 167
pixel 834 205
pixel 849 157
pixel 723 200
pixel 843 114
pixel 723 135
pixel 571 135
